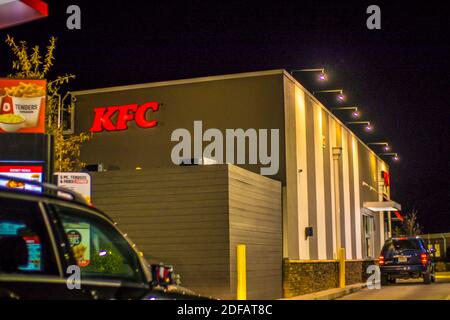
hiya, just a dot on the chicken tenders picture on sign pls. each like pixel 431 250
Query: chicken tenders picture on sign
pixel 22 105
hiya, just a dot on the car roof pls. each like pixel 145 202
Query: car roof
pixel 44 197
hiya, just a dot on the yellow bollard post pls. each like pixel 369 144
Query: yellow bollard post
pixel 341 267
pixel 241 269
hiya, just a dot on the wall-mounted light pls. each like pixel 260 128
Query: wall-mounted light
pixel 395 156
pixel 322 75
pixel 368 126
pixel 340 97
pixel 355 113
pixel 386 146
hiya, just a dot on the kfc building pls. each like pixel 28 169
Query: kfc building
pixel 305 186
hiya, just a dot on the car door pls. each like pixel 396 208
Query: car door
pixel 30 267
pixel 109 267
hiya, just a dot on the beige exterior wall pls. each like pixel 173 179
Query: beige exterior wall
pixel 262 100
pixel 194 217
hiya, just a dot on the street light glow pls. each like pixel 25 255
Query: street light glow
pixel 322 76
pixel 356 114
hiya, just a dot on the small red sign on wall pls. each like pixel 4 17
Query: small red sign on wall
pixel 386 178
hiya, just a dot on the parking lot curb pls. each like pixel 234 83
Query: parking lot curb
pixel 330 294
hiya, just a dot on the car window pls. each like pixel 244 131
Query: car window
pixel 99 249
pixel 399 245
pixel 24 242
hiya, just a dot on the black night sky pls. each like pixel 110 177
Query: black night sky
pixel 397 75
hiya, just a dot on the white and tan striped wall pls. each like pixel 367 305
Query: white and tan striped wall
pixel 312 134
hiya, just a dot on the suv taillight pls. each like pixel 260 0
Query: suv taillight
pixel 381 260
pixel 424 258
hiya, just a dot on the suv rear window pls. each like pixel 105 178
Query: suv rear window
pixel 399 245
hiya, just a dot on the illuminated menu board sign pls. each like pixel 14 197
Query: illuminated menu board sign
pixel 22 105
pixel 33 173
pixel 12 228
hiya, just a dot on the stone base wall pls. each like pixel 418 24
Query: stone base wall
pixel 303 277
pixel 355 271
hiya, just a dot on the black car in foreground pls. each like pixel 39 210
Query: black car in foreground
pixel 404 258
pixel 57 247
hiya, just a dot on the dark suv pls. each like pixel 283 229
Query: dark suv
pixel 404 258
pixel 56 248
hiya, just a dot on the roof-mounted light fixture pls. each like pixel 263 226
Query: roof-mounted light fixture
pixel 368 126
pixel 340 97
pixel 355 113
pixel 386 145
pixel 322 75
pixel 395 156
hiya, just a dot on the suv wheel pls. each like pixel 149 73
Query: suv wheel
pixel 427 277
pixel 384 280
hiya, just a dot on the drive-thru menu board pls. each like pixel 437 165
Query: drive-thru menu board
pixel 12 228
pixel 27 172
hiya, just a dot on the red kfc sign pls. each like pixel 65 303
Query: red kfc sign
pixel 104 117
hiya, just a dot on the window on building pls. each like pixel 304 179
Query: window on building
pixel 369 231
